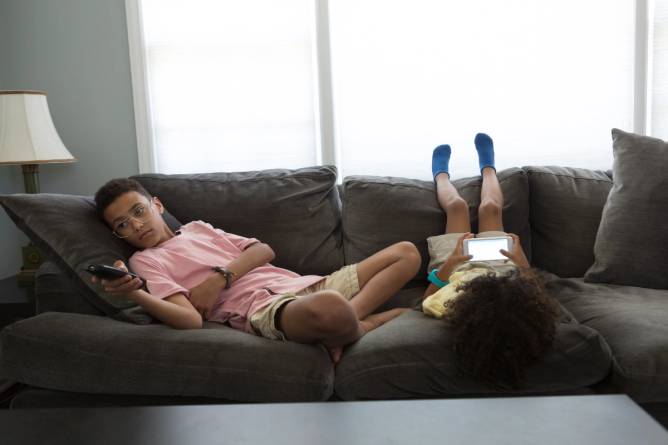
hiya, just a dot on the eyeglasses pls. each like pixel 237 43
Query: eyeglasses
pixel 139 213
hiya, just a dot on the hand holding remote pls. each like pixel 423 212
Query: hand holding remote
pixel 125 285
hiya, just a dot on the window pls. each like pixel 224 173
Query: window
pixel 659 71
pixel 231 86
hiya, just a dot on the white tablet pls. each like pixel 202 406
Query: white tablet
pixel 486 249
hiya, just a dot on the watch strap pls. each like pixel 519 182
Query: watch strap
pixel 229 275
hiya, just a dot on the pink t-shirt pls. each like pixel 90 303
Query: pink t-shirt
pixel 184 261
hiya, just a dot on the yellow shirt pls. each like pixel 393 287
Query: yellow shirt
pixel 434 304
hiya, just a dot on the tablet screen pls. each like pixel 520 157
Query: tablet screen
pixel 484 249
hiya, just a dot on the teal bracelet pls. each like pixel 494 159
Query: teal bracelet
pixel 434 279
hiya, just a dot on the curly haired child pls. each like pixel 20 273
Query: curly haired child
pixel 502 319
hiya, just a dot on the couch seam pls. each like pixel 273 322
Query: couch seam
pixel 218 181
pixel 608 181
pixel 508 178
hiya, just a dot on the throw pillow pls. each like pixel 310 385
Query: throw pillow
pixel 67 230
pixel 631 245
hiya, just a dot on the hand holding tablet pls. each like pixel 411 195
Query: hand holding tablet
pixel 487 249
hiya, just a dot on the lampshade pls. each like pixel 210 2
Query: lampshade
pixel 27 133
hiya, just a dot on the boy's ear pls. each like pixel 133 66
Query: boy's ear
pixel 158 204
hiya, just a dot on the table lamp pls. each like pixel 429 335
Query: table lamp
pixel 29 138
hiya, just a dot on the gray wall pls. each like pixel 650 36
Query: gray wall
pixel 76 51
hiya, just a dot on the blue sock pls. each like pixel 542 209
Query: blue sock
pixel 440 159
pixel 485 148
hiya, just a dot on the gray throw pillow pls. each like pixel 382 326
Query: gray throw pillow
pixel 632 241
pixel 297 212
pixel 68 231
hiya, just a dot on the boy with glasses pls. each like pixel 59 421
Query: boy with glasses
pixel 203 273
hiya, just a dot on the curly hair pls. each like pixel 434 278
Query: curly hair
pixel 115 188
pixel 502 325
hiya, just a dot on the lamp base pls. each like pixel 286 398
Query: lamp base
pixel 32 259
pixel 31 177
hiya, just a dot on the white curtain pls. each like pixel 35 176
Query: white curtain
pixel 547 80
pixel 230 84
pixel 659 73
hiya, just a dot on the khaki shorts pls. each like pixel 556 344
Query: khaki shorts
pixel 442 246
pixel 343 280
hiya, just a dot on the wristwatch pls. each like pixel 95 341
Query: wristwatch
pixel 229 275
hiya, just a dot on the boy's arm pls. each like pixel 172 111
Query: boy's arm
pixel 175 310
pixel 204 296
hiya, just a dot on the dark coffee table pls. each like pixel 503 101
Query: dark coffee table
pixel 564 420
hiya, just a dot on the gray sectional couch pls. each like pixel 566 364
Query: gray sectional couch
pixel 86 348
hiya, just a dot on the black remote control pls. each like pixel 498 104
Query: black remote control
pixel 107 272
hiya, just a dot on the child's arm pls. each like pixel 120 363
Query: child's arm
pixel 456 258
pixel 174 310
pixel 204 296
pixel 443 274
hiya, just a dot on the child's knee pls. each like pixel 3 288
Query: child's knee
pixel 410 254
pixel 489 207
pixel 457 205
pixel 333 315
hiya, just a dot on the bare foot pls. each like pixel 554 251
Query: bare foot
pixel 373 321
pixel 335 354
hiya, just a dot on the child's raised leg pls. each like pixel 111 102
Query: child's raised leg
pixel 455 207
pixel 491 196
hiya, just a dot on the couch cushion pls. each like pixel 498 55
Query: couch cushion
pixel 296 212
pixel 412 357
pixel 379 211
pixel 67 230
pixel 565 207
pixel 55 292
pixel 634 322
pixel 632 241
pixel 91 354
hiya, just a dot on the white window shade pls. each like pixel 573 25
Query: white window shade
pixel 547 80
pixel 659 74
pixel 230 84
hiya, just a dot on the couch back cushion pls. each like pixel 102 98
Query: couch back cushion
pixel 67 229
pixel 296 212
pixel 380 211
pixel 566 206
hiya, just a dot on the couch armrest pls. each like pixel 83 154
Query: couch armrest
pixel 55 292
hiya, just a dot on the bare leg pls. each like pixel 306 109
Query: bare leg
pixel 321 317
pixel 491 202
pixel 327 317
pixel 456 209
pixel 382 275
